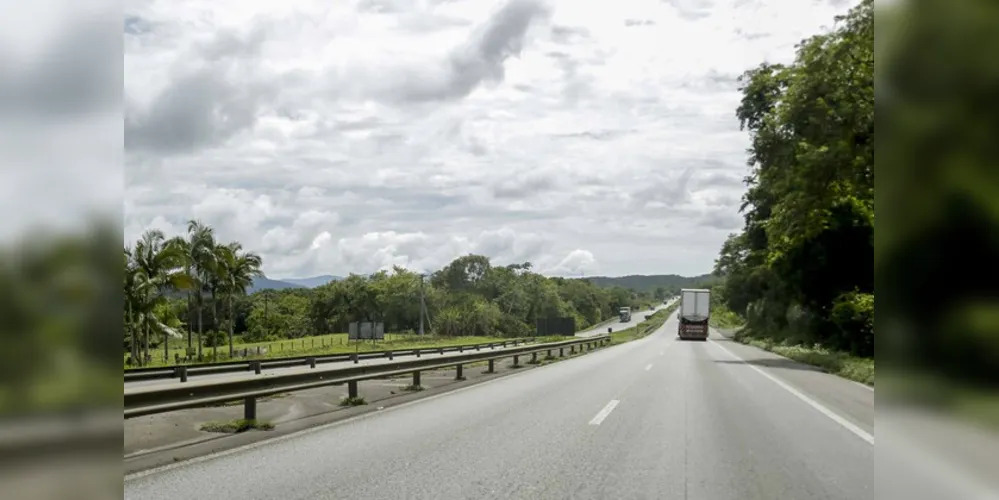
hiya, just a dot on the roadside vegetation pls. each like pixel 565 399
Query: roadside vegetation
pixel 186 297
pixel 236 426
pixel 798 279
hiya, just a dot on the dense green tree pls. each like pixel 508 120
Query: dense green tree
pixel 802 267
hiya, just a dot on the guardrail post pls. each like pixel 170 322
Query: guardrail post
pixel 417 353
pixel 477 347
pixel 492 345
pixel 461 348
pixel 561 352
pixel 250 408
pixel 534 357
pixel 516 361
pixel 181 373
pixel 610 329
pixel 416 378
pixel 549 353
pixel 492 366
pixel 389 354
pixel 460 374
pixel 354 357
pixel 352 389
pixel 312 362
pixel 572 349
pixel 256 367
pixel 441 350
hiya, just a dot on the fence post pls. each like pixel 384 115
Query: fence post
pixel 460 375
pixel 352 389
pixel 250 408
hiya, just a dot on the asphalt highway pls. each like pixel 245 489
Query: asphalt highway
pixel 618 325
pixel 656 418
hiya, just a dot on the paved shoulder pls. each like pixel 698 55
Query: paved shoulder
pixel 850 400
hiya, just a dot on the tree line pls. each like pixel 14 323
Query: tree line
pixel 193 287
pixel 802 267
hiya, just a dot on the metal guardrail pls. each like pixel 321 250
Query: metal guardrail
pixel 184 371
pixel 149 401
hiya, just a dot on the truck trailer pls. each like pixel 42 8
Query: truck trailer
pixel 624 314
pixel 695 310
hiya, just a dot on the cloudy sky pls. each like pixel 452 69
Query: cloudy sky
pixel 589 138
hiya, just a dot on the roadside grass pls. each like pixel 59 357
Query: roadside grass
pixel 724 319
pixel 349 401
pixel 236 426
pixel 329 344
pixel 836 362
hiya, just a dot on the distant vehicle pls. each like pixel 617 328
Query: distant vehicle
pixel 625 314
pixel 695 309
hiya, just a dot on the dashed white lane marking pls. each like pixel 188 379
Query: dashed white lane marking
pixel 604 412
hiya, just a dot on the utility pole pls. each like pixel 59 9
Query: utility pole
pixel 423 304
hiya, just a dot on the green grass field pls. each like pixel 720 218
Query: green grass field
pixel 319 344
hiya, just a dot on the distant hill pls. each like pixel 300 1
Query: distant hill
pixel 265 283
pixel 313 281
pixel 649 283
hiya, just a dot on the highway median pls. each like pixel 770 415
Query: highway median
pixel 186 420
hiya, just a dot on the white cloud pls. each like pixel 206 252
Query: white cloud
pixel 353 136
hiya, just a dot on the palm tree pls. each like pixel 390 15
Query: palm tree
pixel 236 271
pixel 156 267
pixel 132 279
pixel 199 258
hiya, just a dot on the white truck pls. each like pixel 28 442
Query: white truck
pixel 624 314
pixel 695 310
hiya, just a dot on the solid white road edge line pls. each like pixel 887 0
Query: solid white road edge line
pixel 850 426
pixel 603 413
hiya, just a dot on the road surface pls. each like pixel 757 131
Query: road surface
pixel 656 418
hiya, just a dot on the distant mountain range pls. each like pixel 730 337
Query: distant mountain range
pixel 265 283
pixel 639 282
